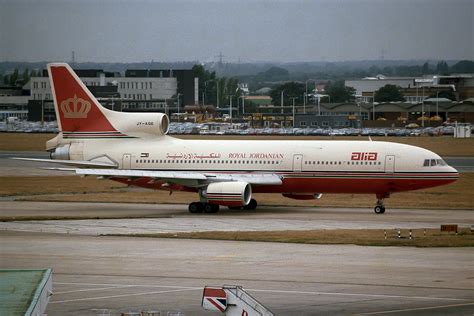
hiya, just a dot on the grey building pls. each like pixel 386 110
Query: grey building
pixel 140 90
pixel 14 102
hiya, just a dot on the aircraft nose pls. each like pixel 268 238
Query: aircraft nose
pixel 454 171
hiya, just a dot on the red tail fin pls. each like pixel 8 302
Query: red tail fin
pixel 77 110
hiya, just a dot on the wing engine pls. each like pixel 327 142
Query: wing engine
pixel 235 193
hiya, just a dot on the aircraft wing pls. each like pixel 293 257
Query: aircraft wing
pixel 187 178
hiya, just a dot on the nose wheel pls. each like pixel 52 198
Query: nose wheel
pixel 379 208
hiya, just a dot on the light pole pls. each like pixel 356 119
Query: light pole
pixel 281 101
pixel 437 99
pixel 304 102
pixel 294 111
pixel 423 107
pixel 42 110
pixel 205 92
pixel 217 92
pixel 319 105
pixel 243 104
pixel 306 84
pixel 230 107
pixel 360 115
pixel 178 105
pixel 373 105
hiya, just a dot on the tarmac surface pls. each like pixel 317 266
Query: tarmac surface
pixel 121 274
pixel 131 218
pixel 93 273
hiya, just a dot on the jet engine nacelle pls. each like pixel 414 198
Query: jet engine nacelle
pixel 235 193
pixel 296 196
pixel 140 124
pixel 72 151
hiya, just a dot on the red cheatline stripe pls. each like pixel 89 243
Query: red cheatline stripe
pixel 215 292
pixel 98 136
pixel 315 172
pixel 215 304
pixel 91 132
pixel 94 134
pixel 223 197
pixel 369 177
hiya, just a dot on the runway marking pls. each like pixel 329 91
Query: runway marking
pixel 95 289
pixel 123 295
pixel 124 285
pixel 417 309
pixel 359 294
pixel 183 288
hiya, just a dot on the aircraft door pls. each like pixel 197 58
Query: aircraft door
pixel 389 164
pixel 127 161
pixel 297 162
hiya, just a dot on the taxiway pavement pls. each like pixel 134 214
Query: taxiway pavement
pixel 94 273
pixel 120 274
pixel 122 218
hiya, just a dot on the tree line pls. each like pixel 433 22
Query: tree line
pixel 17 79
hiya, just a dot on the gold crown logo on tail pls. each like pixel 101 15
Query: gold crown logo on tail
pixel 75 107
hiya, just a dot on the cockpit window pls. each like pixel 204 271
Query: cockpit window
pixel 434 162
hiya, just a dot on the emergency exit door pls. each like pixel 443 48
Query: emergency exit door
pixel 297 163
pixel 127 161
pixel 390 164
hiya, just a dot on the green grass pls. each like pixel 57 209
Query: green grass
pixel 361 237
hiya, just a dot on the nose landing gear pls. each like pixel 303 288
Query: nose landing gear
pixel 379 207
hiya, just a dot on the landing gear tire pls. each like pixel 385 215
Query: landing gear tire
pixel 211 208
pixel 252 205
pixel 379 209
pixel 195 207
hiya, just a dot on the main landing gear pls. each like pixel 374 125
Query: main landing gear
pixel 379 208
pixel 199 207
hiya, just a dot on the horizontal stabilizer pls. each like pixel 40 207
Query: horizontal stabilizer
pixel 75 163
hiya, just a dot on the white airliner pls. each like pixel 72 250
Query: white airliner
pixel 133 148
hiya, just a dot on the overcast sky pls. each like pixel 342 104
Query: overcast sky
pixel 283 31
